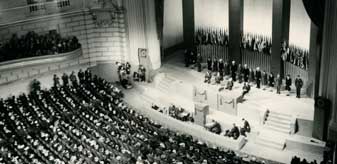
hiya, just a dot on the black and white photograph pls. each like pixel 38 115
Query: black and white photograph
pixel 168 82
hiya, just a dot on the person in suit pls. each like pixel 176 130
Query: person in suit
pixel 73 78
pixel 230 84
pixel 245 88
pixel 299 85
pixel 128 68
pixel 208 77
pixel 209 63
pixel 271 79
pixel 234 132
pixel 80 75
pixel 226 68
pixel 136 76
pixel 245 127
pixel 288 83
pixel 221 67
pixel 234 68
pixel 218 78
pixel 245 73
pixel 56 80
pixel 265 78
pixel 65 79
pixel 258 76
pixel 199 61
pixel 215 65
pixel 142 73
pixel 278 84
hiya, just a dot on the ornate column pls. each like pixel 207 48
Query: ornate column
pixel 188 22
pixel 235 29
pixel 280 33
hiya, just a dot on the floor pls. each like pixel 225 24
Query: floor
pixel 300 108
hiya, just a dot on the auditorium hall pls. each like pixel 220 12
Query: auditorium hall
pixel 168 82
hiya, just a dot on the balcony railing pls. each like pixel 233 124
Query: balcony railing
pixel 20 13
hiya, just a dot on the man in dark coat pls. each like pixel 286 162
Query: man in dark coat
pixel 245 73
pixel 271 80
pixel 278 84
pixel 234 68
pixel 221 67
pixel 199 61
pixel 226 68
pixel 288 82
pixel 234 132
pixel 299 85
pixel 65 79
pixel 258 76
pixel 245 127
pixel 80 75
pixel 209 63
pixel 215 65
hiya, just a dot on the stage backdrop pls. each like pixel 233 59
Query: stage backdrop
pixel 257 17
pixel 211 14
pixel 173 23
pixel 299 32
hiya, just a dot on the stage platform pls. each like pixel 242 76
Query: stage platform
pixel 173 84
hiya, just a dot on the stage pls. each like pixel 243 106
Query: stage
pixel 285 133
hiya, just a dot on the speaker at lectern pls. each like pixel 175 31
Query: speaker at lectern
pixel 199 95
pixel 200 112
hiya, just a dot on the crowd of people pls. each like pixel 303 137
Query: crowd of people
pixel 33 44
pixel 297 160
pixel 217 69
pixel 124 74
pixel 258 43
pixel 211 37
pixel 83 119
pixel 253 42
pixel 175 112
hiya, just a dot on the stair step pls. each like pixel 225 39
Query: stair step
pixel 275 124
pixel 276 120
pixel 279 117
pixel 277 129
pixel 277 113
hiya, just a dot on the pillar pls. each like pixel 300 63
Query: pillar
pixel 328 74
pixel 280 33
pixel 188 22
pixel 314 59
pixel 235 29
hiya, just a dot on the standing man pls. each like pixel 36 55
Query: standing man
pixel 278 84
pixel 299 85
pixel 271 80
pixel 288 83
pixel 245 73
pixel 209 64
pixel 215 65
pixel 199 60
pixel 221 67
pixel 234 68
pixel 258 76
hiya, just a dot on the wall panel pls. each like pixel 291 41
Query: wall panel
pixel 173 23
pixel 211 14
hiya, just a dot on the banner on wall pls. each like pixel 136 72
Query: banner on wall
pixel 145 61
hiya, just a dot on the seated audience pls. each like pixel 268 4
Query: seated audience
pixel 245 89
pixel 33 44
pixel 245 127
pixel 213 127
pixel 234 132
pixel 230 84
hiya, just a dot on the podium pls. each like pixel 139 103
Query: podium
pixel 227 103
pixel 199 95
pixel 200 112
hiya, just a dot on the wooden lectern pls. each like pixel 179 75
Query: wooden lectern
pixel 200 112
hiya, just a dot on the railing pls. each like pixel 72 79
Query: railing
pixel 26 62
pixel 20 13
